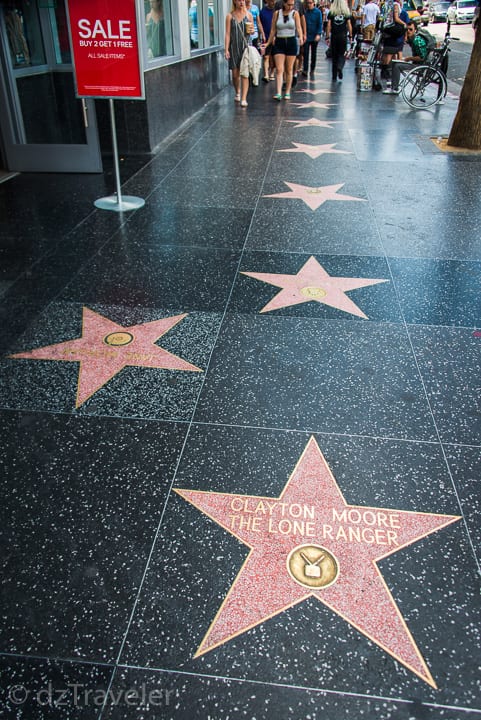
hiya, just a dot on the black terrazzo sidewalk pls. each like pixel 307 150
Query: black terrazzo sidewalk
pixel 113 582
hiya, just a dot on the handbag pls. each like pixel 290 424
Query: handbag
pixel 394 30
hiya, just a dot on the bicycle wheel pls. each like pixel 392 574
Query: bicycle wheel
pixel 423 87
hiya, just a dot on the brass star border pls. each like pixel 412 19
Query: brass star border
pixel 309 542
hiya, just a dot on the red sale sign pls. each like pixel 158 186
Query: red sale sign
pixel 105 46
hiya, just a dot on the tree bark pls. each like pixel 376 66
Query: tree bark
pixel 466 128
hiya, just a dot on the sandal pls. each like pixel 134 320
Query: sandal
pixel 287 96
pixel 278 96
pixel 244 103
pixel 237 98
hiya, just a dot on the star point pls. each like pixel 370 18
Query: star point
pixel 309 542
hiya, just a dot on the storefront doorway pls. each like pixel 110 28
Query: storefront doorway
pixel 45 127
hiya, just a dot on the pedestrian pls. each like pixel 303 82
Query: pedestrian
pixel 338 29
pixel 239 26
pixel 357 9
pixel 267 15
pixel 285 26
pixel 313 18
pixel 420 50
pixel 258 36
pixel 393 46
pixel 299 7
pixel 370 14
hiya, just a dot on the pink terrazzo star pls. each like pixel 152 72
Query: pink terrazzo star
pixel 314 197
pixel 309 542
pixel 313 284
pixel 314 104
pixel 105 348
pixel 314 122
pixel 315 151
pixel 316 92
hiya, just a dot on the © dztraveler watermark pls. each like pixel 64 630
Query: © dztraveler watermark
pixel 79 695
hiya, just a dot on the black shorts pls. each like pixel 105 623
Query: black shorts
pixel 286 46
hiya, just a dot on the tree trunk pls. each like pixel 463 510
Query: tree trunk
pixel 466 128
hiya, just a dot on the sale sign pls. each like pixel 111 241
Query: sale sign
pixel 105 46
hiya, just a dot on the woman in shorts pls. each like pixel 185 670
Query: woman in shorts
pixel 285 31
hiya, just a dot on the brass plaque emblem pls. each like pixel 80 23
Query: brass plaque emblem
pixel 313 292
pixel 315 191
pixel 117 339
pixel 312 566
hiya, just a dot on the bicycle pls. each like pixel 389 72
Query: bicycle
pixel 426 85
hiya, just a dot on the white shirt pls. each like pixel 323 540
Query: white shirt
pixel 370 13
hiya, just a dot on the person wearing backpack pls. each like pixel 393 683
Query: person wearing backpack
pixel 393 46
pixel 420 49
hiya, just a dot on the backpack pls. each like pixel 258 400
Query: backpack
pixel 431 41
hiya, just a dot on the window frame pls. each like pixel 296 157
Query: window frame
pixel 151 63
pixel 204 26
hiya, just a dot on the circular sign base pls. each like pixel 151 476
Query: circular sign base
pixel 127 202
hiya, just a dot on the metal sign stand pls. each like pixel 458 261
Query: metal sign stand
pixel 116 202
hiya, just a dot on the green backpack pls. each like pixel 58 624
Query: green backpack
pixel 431 41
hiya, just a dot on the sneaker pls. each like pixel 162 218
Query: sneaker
pixel 389 91
pixel 339 74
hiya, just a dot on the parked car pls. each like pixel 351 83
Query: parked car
pixel 462 11
pixel 438 12
pixel 424 16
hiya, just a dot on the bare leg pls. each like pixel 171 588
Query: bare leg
pixel 266 66
pixel 290 61
pixel 236 80
pixel 280 62
pixel 245 88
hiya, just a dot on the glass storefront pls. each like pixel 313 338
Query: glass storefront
pixel 45 126
pixel 46 121
pixel 202 24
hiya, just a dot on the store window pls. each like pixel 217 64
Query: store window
pixel 158 28
pixel 24 36
pixel 203 24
